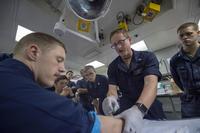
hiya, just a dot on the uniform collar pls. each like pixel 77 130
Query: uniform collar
pixel 197 55
pixel 135 59
pixel 19 68
pixel 182 54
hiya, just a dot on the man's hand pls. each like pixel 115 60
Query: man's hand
pixel 82 91
pixel 67 91
pixel 133 120
pixel 110 105
pixel 95 103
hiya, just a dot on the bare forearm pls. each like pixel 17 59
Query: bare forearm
pixel 112 91
pixel 149 91
pixel 82 90
pixel 111 125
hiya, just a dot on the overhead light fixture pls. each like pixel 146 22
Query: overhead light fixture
pixel 139 46
pixel 92 10
pixel 21 32
pixel 199 23
pixel 95 64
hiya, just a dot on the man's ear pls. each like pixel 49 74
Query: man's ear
pixel 32 52
pixel 130 40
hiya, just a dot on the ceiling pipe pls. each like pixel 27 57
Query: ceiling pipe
pixel 96 31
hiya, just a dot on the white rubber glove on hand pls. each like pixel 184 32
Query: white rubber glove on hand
pixel 110 105
pixel 133 120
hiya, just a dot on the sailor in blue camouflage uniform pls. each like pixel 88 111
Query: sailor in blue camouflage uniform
pixel 185 69
pixel 133 78
pixel 97 86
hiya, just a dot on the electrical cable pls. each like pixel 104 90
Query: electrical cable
pixel 134 18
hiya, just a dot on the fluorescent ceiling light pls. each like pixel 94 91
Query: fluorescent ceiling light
pixel 21 32
pixel 199 23
pixel 139 46
pixel 95 64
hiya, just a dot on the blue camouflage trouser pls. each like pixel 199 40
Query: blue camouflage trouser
pixel 190 106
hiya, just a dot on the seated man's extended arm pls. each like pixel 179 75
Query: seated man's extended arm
pixel 111 125
pixel 82 90
pixel 112 91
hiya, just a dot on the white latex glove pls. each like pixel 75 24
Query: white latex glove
pixel 110 105
pixel 133 120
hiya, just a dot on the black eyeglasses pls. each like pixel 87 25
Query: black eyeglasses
pixel 119 43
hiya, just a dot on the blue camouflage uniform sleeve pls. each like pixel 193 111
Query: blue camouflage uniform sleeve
pixel 151 65
pixel 174 73
pixel 112 74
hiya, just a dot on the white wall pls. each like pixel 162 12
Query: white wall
pixel 164 54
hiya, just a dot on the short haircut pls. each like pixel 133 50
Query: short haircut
pixel 120 30
pixel 42 40
pixel 82 72
pixel 62 77
pixel 70 71
pixel 86 68
pixel 188 24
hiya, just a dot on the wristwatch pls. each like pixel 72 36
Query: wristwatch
pixel 142 108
